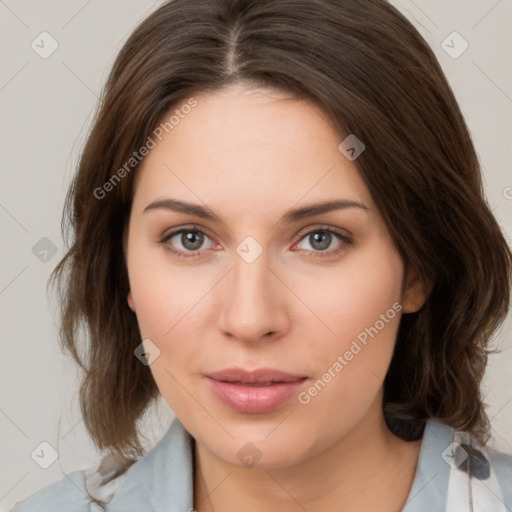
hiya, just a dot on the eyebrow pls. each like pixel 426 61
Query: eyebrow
pixel 289 217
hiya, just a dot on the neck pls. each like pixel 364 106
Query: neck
pixel 368 469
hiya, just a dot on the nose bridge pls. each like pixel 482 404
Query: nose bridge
pixel 252 306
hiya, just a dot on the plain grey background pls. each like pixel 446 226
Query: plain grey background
pixel 47 102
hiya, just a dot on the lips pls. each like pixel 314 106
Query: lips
pixel 257 391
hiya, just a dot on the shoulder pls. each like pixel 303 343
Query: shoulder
pixel 454 471
pixel 501 464
pixel 485 473
pixel 86 490
pixel 163 475
pixel 66 495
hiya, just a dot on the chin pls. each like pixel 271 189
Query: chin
pixel 262 446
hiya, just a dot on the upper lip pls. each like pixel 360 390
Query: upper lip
pixel 260 375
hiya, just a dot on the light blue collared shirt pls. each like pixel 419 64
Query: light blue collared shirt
pixel 454 474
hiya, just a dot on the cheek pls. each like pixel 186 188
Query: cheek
pixel 352 296
pixel 167 307
pixel 359 306
pixel 369 301
pixel 165 295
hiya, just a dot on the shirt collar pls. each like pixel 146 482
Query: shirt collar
pixel 429 488
pixel 162 480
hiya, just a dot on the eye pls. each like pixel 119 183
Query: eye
pixel 191 242
pixel 186 240
pixel 324 242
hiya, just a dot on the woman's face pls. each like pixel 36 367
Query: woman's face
pixel 271 320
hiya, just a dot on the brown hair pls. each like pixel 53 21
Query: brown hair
pixel 373 74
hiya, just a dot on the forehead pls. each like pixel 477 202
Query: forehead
pixel 251 146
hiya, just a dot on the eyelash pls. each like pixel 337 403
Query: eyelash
pixel 345 241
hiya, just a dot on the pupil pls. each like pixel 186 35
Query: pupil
pixel 191 240
pixel 320 240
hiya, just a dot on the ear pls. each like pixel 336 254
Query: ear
pixel 415 292
pixel 130 301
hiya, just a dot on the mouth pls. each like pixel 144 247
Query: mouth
pixel 258 391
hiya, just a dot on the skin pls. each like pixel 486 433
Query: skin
pixel 250 155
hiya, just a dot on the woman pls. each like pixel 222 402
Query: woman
pixel 279 227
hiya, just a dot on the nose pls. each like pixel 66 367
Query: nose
pixel 254 302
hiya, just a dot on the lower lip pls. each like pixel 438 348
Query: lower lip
pixel 254 399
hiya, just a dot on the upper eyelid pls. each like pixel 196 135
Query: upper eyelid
pixel 192 227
